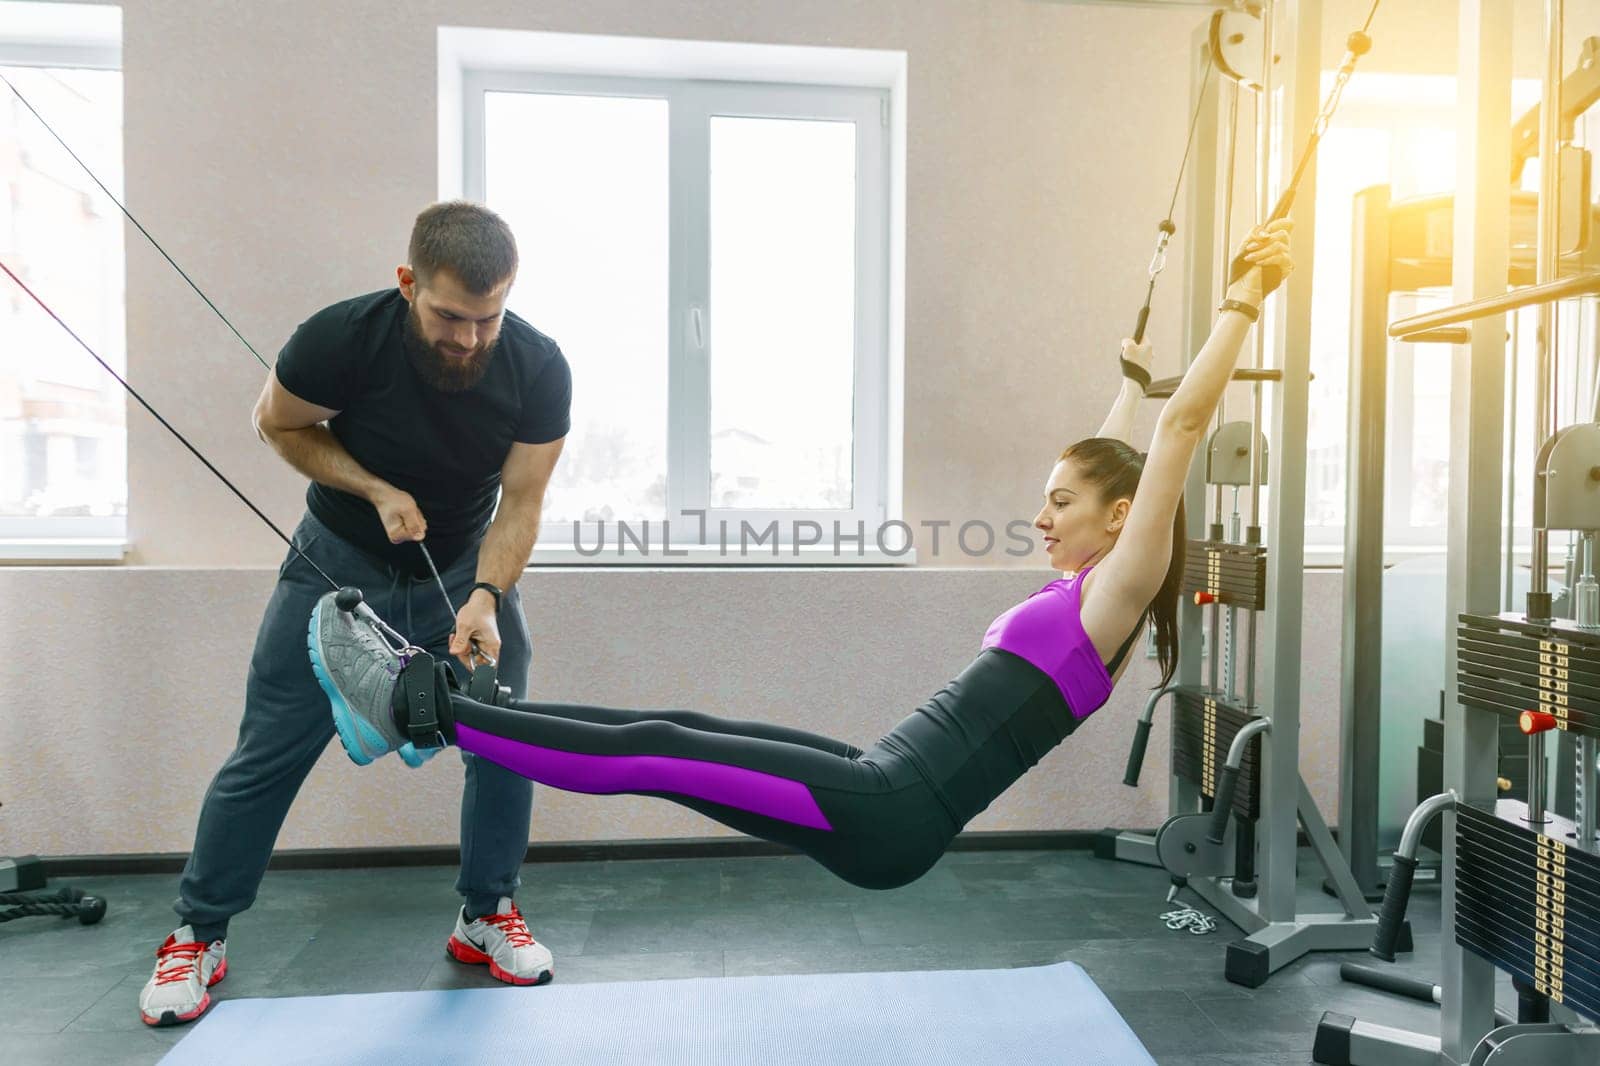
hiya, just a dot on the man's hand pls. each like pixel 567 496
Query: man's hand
pixel 476 624
pixel 402 520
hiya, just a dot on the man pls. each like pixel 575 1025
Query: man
pixel 409 409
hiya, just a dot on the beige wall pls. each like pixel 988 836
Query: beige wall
pixel 279 152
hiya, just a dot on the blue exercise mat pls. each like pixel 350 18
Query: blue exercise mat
pixel 1043 1014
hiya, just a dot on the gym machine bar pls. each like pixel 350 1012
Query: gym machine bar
pixel 1408 328
pixel 1141 737
pixel 1228 779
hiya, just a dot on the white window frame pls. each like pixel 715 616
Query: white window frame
pixel 700 80
pixel 88 37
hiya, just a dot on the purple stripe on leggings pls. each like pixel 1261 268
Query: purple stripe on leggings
pixel 731 786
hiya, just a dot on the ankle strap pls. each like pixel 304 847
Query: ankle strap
pixel 420 685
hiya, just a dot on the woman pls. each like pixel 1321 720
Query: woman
pixel 877 818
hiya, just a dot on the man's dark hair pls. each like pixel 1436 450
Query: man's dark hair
pixel 468 240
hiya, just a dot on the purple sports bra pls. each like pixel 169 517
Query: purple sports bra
pixel 1046 629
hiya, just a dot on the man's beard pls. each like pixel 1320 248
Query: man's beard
pixel 447 373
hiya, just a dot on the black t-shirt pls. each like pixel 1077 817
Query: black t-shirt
pixel 445 449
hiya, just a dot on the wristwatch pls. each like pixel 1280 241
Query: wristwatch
pixel 493 590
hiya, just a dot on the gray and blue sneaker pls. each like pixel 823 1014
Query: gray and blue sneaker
pixel 414 756
pixel 358 671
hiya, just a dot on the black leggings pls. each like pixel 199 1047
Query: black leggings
pixel 878 818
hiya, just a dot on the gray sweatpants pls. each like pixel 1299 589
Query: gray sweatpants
pixel 287 725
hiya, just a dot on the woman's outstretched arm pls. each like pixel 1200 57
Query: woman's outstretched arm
pixel 1127 579
pixel 1119 420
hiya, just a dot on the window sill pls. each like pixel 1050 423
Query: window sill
pixel 713 555
pixel 63 550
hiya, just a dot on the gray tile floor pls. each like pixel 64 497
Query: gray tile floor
pixel 70 992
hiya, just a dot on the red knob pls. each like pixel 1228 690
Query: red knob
pixel 1203 598
pixel 1531 722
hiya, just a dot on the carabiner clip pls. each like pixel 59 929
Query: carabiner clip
pixel 1158 261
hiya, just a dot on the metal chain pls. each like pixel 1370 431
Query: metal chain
pixel 1187 917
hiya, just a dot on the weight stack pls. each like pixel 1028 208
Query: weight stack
pixel 1234 575
pixel 1529 902
pixel 1506 665
pixel 1203 730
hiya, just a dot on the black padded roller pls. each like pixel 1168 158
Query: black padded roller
pixel 1392 917
pixel 1141 740
pixel 1387 981
pixel 1227 782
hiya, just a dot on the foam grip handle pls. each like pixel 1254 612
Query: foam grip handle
pixel 1281 208
pixel 1392 916
pixel 1144 320
pixel 1141 740
pixel 1222 805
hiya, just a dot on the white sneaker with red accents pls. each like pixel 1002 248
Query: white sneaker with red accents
pixel 502 941
pixel 178 991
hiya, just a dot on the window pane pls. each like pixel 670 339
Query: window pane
pixel 63 443
pixel 783 286
pixel 1428 423
pixel 582 181
pixel 1348 161
pixel 1397 129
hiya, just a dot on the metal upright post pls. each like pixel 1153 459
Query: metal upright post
pixel 1361 674
pixel 1544 420
pixel 1513 369
pixel 1589 329
pixel 1280 762
pixel 1263 161
pixel 1477 396
pixel 1200 279
pixel 1221 674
